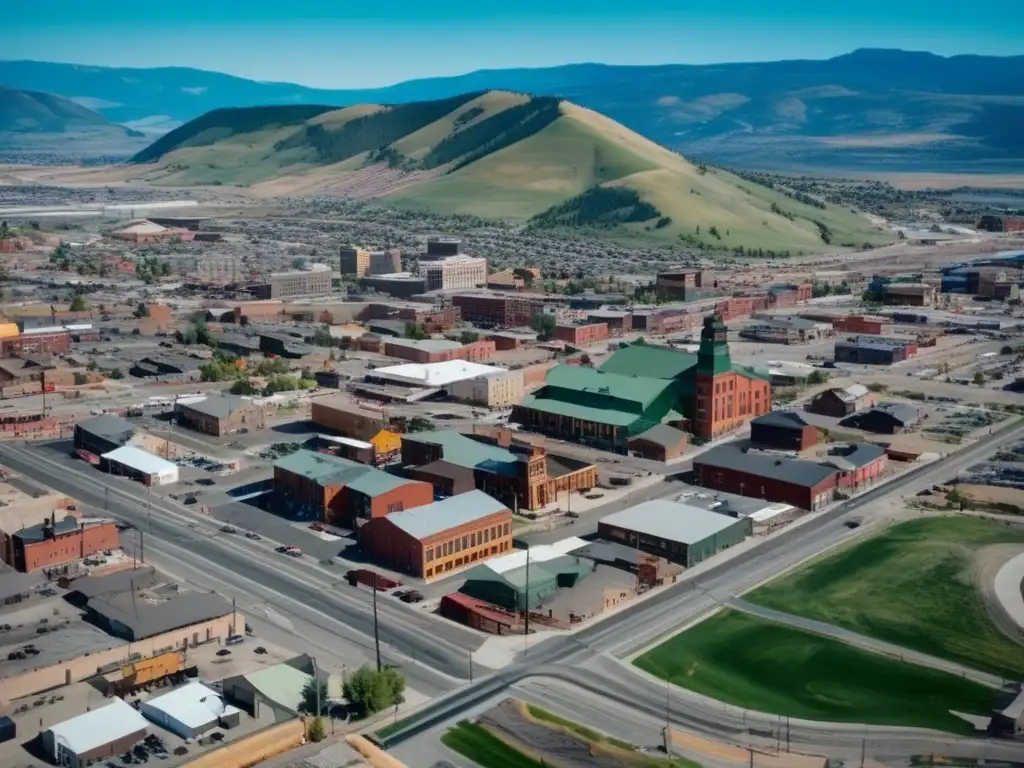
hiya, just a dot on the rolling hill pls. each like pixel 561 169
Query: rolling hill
pixel 536 160
pixel 881 109
pixel 36 112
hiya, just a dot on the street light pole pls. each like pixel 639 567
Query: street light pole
pixel 526 605
pixel 376 632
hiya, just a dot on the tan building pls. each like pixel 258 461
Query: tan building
pixel 363 263
pixel 495 390
pixel 349 418
pixel 454 273
pixel 291 285
pixel 220 269
pixel 219 415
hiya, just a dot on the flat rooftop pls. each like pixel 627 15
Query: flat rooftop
pixel 67 635
pixel 435 374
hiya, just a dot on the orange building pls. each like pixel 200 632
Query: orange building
pixel 726 398
pixel 159 314
pixel 435 539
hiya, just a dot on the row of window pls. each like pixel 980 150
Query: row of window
pixel 468 541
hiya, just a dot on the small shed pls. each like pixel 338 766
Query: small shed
pixel 146 467
pixel 659 443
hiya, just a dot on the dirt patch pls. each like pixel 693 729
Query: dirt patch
pixel 1009 500
pixel 508 722
pixel 986 564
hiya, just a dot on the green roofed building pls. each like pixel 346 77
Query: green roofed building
pixel 644 385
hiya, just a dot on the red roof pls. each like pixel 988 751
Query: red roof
pixel 480 608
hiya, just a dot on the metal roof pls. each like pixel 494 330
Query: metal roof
pixel 138 459
pixel 793 471
pixel 282 684
pixel 466 452
pixel 194 706
pixel 108 425
pixel 144 618
pixel 217 406
pixel 426 521
pixel 38 531
pixel 783 419
pixel 435 374
pixel 855 455
pixel 639 390
pixel 94 729
pixel 651 360
pixel 325 469
pixel 662 434
pixel 429 345
pixel 671 520
pixel 119 581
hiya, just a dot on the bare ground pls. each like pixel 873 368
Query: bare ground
pixel 987 563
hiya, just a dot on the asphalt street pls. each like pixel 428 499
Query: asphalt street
pixel 433 651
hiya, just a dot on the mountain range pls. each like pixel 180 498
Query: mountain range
pixel 538 160
pixel 869 108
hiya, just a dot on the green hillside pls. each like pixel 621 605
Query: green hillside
pixel 540 161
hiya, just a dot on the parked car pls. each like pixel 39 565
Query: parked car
pixel 411 596
pixel 281 550
pixel 228 529
pixel 252 535
pixel 235 640
pixel 223 652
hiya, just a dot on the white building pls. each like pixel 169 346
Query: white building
pixel 454 273
pixel 191 711
pixel 110 730
pixel 146 467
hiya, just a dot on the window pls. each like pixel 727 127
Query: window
pixel 505 529
pixel 396 507
pixel 472 539
pixel 429 555
pixel 465 541
pixel 458 545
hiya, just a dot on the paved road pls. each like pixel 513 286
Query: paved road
pixel 433 651
pixel 591 658
pixel 1009 588
pixel 865 642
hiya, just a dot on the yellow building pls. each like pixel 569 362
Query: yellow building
pixel 9 330
pixel 386 442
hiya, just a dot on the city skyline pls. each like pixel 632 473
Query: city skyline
pixel 317 43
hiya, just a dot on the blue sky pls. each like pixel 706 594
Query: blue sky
pixel 343 44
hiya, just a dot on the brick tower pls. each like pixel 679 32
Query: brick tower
pixel 713 369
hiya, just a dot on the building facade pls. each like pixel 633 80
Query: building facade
pixel 433 540
pixel 804 484
pixel 219 415
pixel 454 273
pixel 360 262
pixel 346 417
pixel 783 430
pixel 726 399
pixel 57 543
pixel 499 311
pixel 582 334
pixel 496 390
pixel 290 285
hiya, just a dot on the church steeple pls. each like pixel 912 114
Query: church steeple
pixel 713 355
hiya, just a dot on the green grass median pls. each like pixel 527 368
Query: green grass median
pixel 759 665
pixel 914 586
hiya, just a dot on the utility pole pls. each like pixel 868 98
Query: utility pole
pixel 471 666
pixel 376 633
pixel 149 507
pixel 526 627
pixel 668 704
pixel 316 682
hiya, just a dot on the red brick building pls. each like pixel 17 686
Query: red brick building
pixel 859 465
pixel 54 341
pixel 736 469
pixel 313 485
pixel 511 311
pixel 55 543
pixel 438 350
pixel 872 326
pixel 619 322
pixel 434 539
pixel 581 334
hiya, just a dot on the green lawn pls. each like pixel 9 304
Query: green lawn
pixel 911 586
pixel 753 663
pixel 486 750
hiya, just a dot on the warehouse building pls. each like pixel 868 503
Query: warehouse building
pixel 134 616
pixel 342 492
pixel 432 540
pixel 887 419
pixel 143 466
pixel 522 476
pixel 582 333
pixel 525 579
pixel 786 330
pixel 191 711
pixel 784 430
pixel 659 443
pixel 677 532
pixel 738 469
pixel 110 730
pixel 874 350
pixel 102 434
pixel 219 415
pixel 859 464
pixel 341 414
pixel 643 385
pixel 840 402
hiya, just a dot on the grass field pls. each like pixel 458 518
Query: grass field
pixel 911 586
pixel 485 749
pixel 753 663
